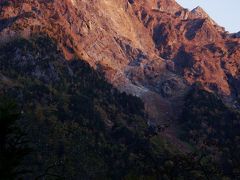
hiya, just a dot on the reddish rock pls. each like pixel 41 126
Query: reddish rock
pixel 154 49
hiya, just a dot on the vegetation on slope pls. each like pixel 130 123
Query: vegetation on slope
pixel 213 128
pixel 79 126
pixel 13 141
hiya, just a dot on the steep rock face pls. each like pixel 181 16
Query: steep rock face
pixel 199 48
pixel 152 49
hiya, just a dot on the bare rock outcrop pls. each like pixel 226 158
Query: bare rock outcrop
pixel 154 49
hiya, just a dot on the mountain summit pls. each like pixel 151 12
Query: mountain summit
pixel 154 49
pixel 74 67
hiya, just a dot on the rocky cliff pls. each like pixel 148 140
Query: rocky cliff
pixel 152 49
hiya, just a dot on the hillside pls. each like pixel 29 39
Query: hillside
pixel 127 89
pixel 152 49
pixel 78 125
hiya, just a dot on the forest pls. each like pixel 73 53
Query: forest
pixel 61 120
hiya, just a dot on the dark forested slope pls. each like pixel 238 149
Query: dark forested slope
pixel 78 126
pixel 213 129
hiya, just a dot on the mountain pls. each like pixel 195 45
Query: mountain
pixel 155 50
pixel 152 49
pixel 71 124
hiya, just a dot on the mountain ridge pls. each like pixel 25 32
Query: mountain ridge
pixel 140 46
pixel 74 67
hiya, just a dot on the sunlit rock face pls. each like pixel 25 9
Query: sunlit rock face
pixel 199 48
pixel 154 49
